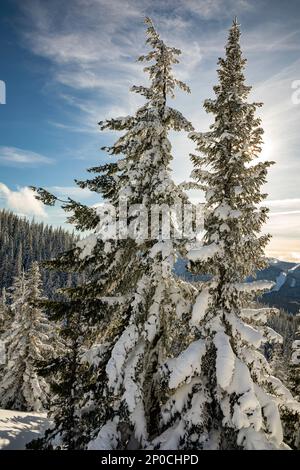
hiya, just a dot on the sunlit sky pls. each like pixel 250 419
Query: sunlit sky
pixel 67 65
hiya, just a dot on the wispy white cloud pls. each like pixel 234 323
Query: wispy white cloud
pixel 12 156
pixel 284 226
pixel 283 205
pixel 71 191
pixel 22 201
pixel 92 46
pixel 210 9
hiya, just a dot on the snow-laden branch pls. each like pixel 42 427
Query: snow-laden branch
pixel 205 252
pixel 255 286
pixel 186 365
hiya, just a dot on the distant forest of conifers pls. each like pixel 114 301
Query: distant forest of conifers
pixel 23 241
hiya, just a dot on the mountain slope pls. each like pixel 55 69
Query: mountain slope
pixel 286 275
pixel 286 293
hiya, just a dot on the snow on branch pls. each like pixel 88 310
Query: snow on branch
pixel 254 286
pixel 132 393
pixel 87 245
pixel 272 336
pixel 107 438
pixel 186 365
pixel 271 414
pixel 179 399
pixel 119 354
pixel 200 307
pixel 225 212
pixel 246 411
pixel 295 359
pixel 246 332
pixel 225 360
pixel 259 315
pixel 94 355
pixel 280 389
pixel 205 252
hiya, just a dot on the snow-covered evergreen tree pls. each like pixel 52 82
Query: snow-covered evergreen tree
pixel 4 309
pixel 278 363
pixel 68 378
pixel 4 316
pixel 292 420
pixel 23 241
pixel 224 395
pixel 294 372
pixel 29 339
pixel 133 309
pixel 286 325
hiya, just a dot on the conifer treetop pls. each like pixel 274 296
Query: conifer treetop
pixel 225 168
pixel 162 81
pixel 145 135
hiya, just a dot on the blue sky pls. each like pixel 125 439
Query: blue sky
pixel 68 65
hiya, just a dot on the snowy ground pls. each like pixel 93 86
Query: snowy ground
pixel 18 428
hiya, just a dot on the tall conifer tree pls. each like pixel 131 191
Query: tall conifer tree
pixel 295 366
pixel 224 396
pixel 30 339
pixel 132 307
pixel 4 322
pixel 4 315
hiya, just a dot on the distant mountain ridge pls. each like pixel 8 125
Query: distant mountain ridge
pixel 286 275
pixel 22 242
pixel 286 293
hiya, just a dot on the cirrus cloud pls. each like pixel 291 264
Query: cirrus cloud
pixel 71 191
pixel 13 156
